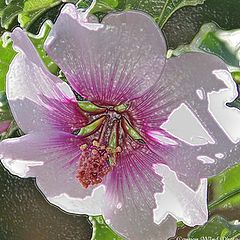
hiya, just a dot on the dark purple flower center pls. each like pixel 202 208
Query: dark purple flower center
pixel 108 133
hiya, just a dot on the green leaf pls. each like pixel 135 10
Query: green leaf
pixel 101 231
pixel 224 44
pixel 8 12
pixel 5 113
pixel 236 76
pixel 32 9
pixel 38 42
pixel 216 228
pixel 168 7
pixel 6 55
pixel 235 103
pixel 27 11
pixel 212 39
pixel 225 190
pixel 160 10
pixel 2 5
pixel 6 118
pixel 102 6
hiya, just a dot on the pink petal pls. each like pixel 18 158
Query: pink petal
pixel 51 157
pixel 181 78
pixel 138 207
pixel 114 61
pixel 183 159
pixel 193 163
pixel 63 115
pixel 130 190
pixel 28 82
pixel 4 126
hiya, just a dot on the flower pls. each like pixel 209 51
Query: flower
pixel 109 153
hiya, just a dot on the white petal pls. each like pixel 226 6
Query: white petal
pixel 51 157
pixel 179 200
pixel 90 205
pixel 28 80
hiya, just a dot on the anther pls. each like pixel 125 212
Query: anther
pixel 96 143
pixel 94 152
pixel 118 149
pixel 109 150
pixel 93 164
pixel 83 147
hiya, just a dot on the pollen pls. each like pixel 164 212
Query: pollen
pixel 95 152
pixel 96 143
pixel 118 149
pixel 108 150
pixel 106 138
pixel 103 147
pixel 93 165
pixel 83 147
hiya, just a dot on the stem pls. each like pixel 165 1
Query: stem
pixel 219 201
pixel 161 14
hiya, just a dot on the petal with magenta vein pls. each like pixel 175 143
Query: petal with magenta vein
pixel 28 82
pixel 114 61
pixel 51 157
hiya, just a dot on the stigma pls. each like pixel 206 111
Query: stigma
pixel 95 163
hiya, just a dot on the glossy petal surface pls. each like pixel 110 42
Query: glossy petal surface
pixel 179 200
pixel 120 60
pixel 108 62
pixel 51 157
pixel 28 82
pixel 181 78
pixel 130 190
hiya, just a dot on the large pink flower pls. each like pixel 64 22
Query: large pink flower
pixel 109 153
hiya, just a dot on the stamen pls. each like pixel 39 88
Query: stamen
pixel 118 149
pixel 92 127
pixel 89 107
pixel 94 152
pixel 100 155
pixel 102 132
pixel 83 147
pixel 93 165
pixel 121 108
pixel 131 131
pixel 103 147
pixel 113 143
pixel 96 143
